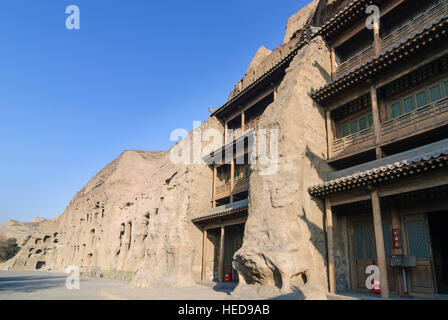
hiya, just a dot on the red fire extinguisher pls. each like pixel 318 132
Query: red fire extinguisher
pixel 376 286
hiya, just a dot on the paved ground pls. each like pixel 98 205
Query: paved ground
pixel 38 285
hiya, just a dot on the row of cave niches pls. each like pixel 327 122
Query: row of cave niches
pixel 99 211
pixel 40 252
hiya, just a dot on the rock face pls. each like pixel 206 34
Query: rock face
pixel 284 244
pixel 21 231
pixel 134 217
pixel 299 20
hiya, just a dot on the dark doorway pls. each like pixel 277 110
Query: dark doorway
pixel 439 241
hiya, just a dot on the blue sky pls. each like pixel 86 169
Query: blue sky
pixel 72 101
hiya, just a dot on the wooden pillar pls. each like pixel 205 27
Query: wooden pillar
pixel 221 255
pixel 243 122
pixel 232 178
pixel 379 238
pixel 204 255
pixel 330 246
pixel 376 121
pixel 215 178
pixel 397 274
pixel 333 63
pixel 226 126
pixel 329 133
pixel 275 93
pixel 376 41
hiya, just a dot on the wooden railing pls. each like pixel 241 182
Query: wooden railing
pixel 252 124
pixel 415 26
pixel 241 185
pixel 426 117
pixel 222 191
pixel 355 61
pixel 422 119
pixel 354 142
pixel 234 134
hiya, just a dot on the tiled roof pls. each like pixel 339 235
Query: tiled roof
pixel 282 62
pixel 226 210
pixel 403 164
pixel 374 63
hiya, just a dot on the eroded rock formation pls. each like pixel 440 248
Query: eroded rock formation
pixel 134 217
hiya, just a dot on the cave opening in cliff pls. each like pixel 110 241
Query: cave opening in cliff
pixel 40 265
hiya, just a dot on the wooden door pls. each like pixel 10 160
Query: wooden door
pixel 421 278
pixel 364 248
pixel 364 244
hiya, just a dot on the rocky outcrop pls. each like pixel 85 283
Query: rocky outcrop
pixel 21 231
pixel 284 243
pixel 300 20
pixel 134 217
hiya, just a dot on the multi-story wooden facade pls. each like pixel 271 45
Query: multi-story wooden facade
pixel 386 114
pixel 387 128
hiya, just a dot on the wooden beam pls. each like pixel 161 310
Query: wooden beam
pixel 346 98
pixel 232 179
pixel 226 127
pixel 333 63
pixel 407 69
pixel 330 136
pixel 376 41
pixel 376 121
pixel 330 246
pixel 221 255
pixel 251 103
pixel 215 178
pixel 379 238
pixel 243 121
pixel 351 32
pixel 204 255
pixel 226 223
pixel 396 251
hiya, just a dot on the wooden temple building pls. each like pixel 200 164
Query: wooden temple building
pixel 386 109
pixel 387 128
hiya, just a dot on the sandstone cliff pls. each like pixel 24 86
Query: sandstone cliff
pixel 134 217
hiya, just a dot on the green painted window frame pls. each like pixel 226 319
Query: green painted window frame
pixel 410 99
pixel 394 105
pixel 418 105
pixel 430 90
pixel 346 128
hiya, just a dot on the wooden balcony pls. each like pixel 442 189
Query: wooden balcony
pixel 241 185
pixel 422 119
pixel 353 143
pixel 407 31
pixel 252 124
pixel 222 191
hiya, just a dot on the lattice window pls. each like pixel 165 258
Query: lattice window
pixel 417 239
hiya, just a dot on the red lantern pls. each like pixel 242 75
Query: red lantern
pixel 227 277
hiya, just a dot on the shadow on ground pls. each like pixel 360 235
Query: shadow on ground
pixel 30 283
